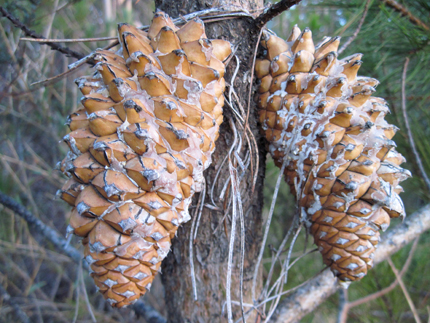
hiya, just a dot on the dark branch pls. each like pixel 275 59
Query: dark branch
pixel 406 13
pixel 305 299
pixel 273 11
pixel 351 39
pixel 385 290
pixel 39 227
pixel 17 311
pixel 17 23
pixel 150 314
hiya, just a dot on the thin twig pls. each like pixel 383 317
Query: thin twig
pixel 370 297
pixel 246 125
pixel 290 250
pixel 210 12
pixel 237 205
pixel 202 202
pixel 388 289
pixel 269 299
pixel 236 208
pixel 408 128
pixel 277 285
pixel 67 40
pixel 273 11
pixel 283 276
pixel 38 226
pixel 150 314
pixel 267 227
pixel 233 78
pixel 84 290
pixel 231 248
pixel 78 292
pixel 274 260
pixel 73 67
pixel 221 15
pixel 252 78
pixel 17 23
pixel 196 218
pixel 38 251
pixel 242 242
pixel 406 13
pixel 351 39
pixel 404 289
pixel 257 160
pixel 319 288
pixel 52 177
pixel 18 312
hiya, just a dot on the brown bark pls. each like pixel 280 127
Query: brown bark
pixel 211 249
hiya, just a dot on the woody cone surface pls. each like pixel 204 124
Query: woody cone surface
pixel 138 149
pixel 322 121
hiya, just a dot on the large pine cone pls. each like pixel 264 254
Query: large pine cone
pixel 323 123
pixel 138 149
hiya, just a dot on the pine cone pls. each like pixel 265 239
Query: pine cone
pixel 323 122
pixel 138 149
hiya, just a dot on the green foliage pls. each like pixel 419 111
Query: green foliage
pixel 386 40
pixel 22 9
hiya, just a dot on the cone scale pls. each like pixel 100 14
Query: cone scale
pixel 138 148
pixel 328 130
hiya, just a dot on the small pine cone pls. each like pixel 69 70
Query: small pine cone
pixel 138 149
pixel 322 121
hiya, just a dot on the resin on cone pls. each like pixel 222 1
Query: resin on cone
pixel 329 132
pixel 138 148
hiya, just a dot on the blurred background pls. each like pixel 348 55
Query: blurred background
pixel 49 286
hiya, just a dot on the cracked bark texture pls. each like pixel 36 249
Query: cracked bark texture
pixel 211 249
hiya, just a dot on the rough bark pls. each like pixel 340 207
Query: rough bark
pixel 211 249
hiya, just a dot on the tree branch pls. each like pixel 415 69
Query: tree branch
pixel 405 290
pixel 360 24
pixel 17 311
pixel 17 23
pixel 144 310
pixel 349 305
pixel 317 290
pixel 406 13
pixel 150 314
pixel 39 227
pixel 273 11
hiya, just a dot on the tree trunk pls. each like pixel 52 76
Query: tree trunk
pixel 211 249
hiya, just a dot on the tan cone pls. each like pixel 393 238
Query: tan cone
pixel 138 149
pixel 323 122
